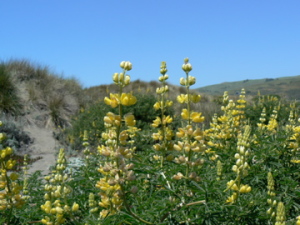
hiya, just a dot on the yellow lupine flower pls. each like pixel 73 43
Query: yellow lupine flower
pixel 130 120
pixel 295 161
pixel 167 119
pixel 223 119
pixel 157 106
pixel 185 114
pixel 180 133
pixel 182 98
pixel 169 133
pixel 196 117
pixel 179 146
pixel 169 103
pixel 232 185
pixel 298 220
pixel 156 122
pixel 195 98
pixel 128 99
pixel 245 188
pixel 296 129
pixel 75 207
pixel 232 198
pixel 113 100
pixel 14 176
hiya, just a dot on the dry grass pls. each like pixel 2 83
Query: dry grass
pixel 45 95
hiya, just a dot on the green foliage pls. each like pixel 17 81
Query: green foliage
pixel 270 102
pixel 91 119
pixel 9 100
pixel 159 199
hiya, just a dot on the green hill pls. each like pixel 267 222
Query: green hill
pixel 288 87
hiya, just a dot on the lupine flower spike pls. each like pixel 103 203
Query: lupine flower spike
pixel 191 138
pixel 57 192
pixel 241 168
pixel 10 190
pixel 118 150
pixel 271 200
pixel 164 135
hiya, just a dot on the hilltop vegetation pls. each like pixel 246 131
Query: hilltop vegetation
pixel 286 87
pixel 38 95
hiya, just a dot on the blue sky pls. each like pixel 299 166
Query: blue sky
pixel 225 40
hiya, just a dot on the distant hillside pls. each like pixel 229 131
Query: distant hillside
pixel 287 87
pixel 96 93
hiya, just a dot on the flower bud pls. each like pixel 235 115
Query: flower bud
pixel 187 67
pixel 178 176
pixel 127 80
pixel 192 80
pixel 166 88
pixel 75 207
pixel 122 64
pixel 237 155
pixel 116 77
pixel 128 66
pixel 182 81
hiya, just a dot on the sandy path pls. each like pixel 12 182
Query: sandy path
pixel 44 146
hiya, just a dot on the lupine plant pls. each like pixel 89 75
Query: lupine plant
pixel 10 190
pixel 57 190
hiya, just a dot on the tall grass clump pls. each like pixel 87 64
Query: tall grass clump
pixel 9 100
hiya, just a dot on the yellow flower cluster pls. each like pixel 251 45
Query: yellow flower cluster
pixel 92 203
pixel 10 190
pixel 262 126
pixel 293 129
pixel 116 151
pixel 195 117
pixel 219 170
pixel 273 124
pixel 86 144
pixel 280 214
pixel 227 126
pixel 184 98
pixel 126 99
pixel 298 220
pixel 271 200
pixel 241 167
pixel 164 133
pixel 241 105
pixel 190 144
pixel 57 192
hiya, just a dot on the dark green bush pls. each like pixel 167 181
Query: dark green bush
pixel 269 102
pixel 91 119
